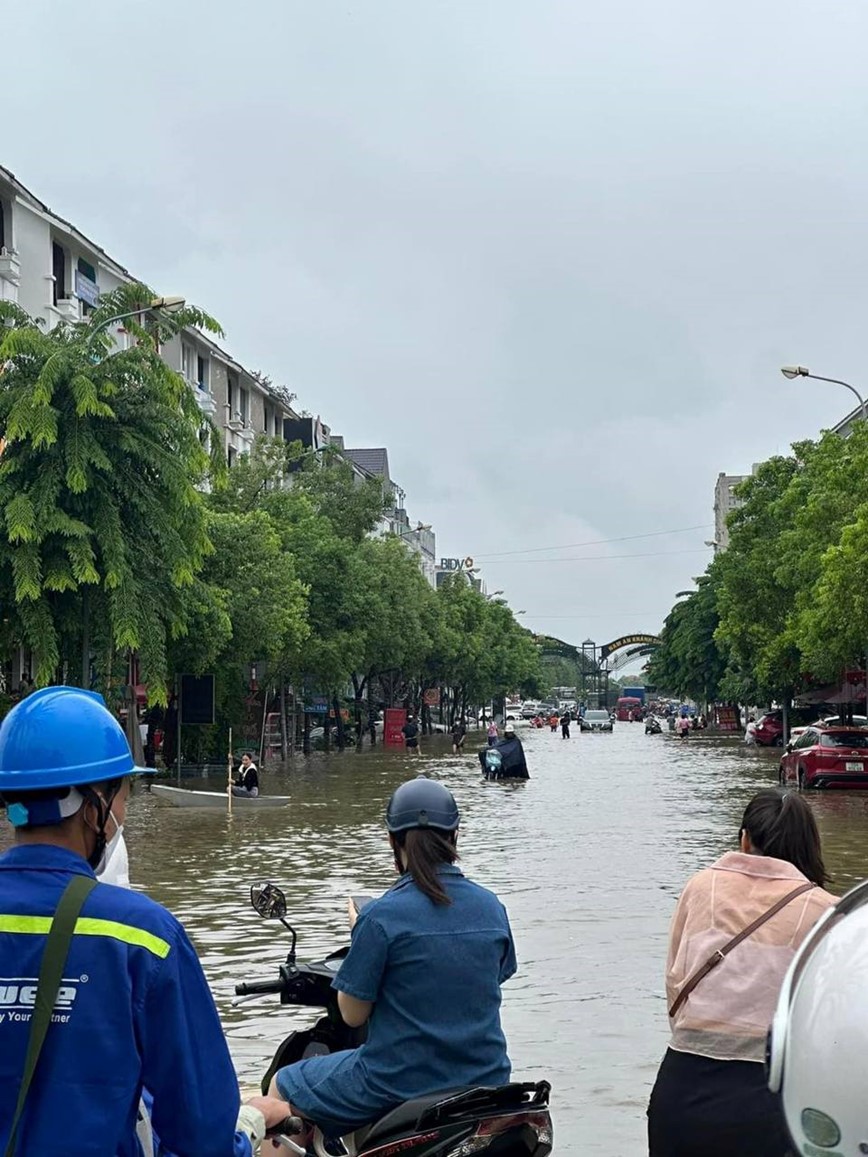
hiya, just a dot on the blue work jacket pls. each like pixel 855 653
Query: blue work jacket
pixel 134 1010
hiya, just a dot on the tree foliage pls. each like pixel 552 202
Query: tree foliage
pixel 102 522
pixel 789 592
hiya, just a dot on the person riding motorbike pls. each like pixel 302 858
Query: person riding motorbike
pixel 510 762
pixel 424 971
pixel 817 1041
pixel 131 1006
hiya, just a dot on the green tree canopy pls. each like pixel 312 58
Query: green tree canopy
pixel 103 524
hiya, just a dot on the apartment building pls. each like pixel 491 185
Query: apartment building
pixel 56 273
pixel 725 500
pixel 420 539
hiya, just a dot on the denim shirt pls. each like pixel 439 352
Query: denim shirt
pixel 433 973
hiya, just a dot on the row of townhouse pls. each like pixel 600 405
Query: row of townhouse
pixel 56 273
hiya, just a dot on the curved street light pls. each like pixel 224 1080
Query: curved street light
pixel 169 304
pixel 792 372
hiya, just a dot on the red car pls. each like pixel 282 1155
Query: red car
pixel 827 757
pixel 770 727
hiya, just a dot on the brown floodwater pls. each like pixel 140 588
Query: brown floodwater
pixel 588 856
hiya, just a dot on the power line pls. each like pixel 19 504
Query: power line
pixel 595 542
pixel 604 557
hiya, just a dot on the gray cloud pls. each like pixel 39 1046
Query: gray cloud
pixel 550 254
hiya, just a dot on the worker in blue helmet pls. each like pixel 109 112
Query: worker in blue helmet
pixel 424 971
pixel 131 1007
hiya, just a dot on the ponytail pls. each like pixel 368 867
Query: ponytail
pixel 781 824
pixel 425 851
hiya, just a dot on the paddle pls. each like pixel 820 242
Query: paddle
pixel 229 783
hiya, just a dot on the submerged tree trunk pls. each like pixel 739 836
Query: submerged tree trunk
pixel 305 735
pixel 85 640
pixel 339 722
pixel 372 722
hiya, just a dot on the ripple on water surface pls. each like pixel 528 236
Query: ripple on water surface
pixel 589 857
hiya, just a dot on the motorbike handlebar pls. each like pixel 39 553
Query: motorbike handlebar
pixel 259 987
pixel 288 1127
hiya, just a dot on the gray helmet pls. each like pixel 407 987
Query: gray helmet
pixel 422 803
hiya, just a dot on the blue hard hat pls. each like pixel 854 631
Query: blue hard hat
pixel 422 803
pixel 61 737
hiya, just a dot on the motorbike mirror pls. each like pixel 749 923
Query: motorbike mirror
pixel 268 901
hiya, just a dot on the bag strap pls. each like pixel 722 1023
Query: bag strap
pixel 47 987
pixel 722 953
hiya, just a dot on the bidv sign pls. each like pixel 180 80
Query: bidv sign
pixel 456 563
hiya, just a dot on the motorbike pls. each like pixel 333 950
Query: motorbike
pixel 652 726
pixel 508 1121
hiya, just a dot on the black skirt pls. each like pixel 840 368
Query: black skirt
pixel 700 1107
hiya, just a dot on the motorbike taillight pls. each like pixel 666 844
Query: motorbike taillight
pixel 491 1128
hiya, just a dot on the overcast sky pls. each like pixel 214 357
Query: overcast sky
pixel 551 254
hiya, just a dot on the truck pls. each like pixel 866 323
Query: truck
pixel 634 693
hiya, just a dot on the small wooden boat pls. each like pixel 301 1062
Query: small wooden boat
pixel 184 797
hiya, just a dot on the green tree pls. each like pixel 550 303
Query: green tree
pixel 689 660
pixel 103 525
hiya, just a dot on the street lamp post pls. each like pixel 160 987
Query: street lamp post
pixel 803 372
pixel 169 304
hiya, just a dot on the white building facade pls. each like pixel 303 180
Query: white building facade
pixel 55 273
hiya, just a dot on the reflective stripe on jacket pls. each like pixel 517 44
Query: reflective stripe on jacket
pixel 134 1011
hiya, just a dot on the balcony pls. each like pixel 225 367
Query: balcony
pixel 10 266
pixel 68 309
pixel 235 420
pixel 205 399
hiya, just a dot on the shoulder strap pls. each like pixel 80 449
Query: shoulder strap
pixel 50 975
pixel 722 953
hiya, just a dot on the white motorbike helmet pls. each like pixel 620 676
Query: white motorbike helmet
pixel 819 1037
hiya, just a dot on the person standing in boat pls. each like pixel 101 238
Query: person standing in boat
pixel 247 783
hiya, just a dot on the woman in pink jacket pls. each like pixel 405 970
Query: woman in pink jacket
pixel 735 930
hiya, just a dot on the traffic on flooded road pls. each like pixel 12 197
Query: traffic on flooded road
pixel 588 855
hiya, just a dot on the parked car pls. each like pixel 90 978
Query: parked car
pixel 839 721
pixel 827 757
pixel 596 721
pixel 770 727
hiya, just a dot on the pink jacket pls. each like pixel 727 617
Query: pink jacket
pixel 728 1013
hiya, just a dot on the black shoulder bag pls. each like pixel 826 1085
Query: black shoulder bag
pixel 50 975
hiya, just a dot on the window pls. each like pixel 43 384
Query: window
pixel 244 405
pixel 58 270
pixel 3 242
pixel 265 420
pixel 202 373
pixel 231 456
pixel 232 395
pixel 187 362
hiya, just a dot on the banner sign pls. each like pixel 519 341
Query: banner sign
pixel 85 289
pixel 726 718
pixel 432 697
pixel 628 641
pixel 197 699
pixel 395 718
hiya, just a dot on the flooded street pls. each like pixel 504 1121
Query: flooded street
pixel 588 856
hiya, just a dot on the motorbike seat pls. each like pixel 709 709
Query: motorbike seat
pixel 402 1118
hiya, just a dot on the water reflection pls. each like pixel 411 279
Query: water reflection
pixel 589 856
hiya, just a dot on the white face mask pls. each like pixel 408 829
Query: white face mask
pixel 114 864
